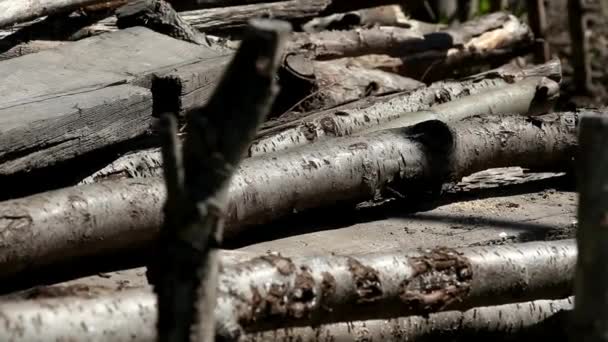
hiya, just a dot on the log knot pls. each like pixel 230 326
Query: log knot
pixel 442 276
pixel 367 281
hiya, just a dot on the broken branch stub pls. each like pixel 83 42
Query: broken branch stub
pixel 273 292
pixel 184 272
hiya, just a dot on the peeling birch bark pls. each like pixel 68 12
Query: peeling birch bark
pixel 101 218
pixel 532 96
pixel 273 292
pixel 309 291
pixel 510 320
pixel 346 119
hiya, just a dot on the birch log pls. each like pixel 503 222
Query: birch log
pixel 346 119
pixel 109 217
pixel 275 292
pixel 12 12
pixel 591 309
pixel 494 322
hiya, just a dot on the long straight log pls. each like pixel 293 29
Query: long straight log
pixel 12 12
pixel 532 96
pixel 591 309
pixel 344 120
pixel 274 291
pixel 509 320
pixel 401 42
pixel 108 217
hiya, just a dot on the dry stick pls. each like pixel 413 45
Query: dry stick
pixel 12 12
pixel 110 217
pixel 591 287
pixel 510 320
pixel 303 290
pixel 532 96
pixel 396 41
pixel 185 272
pixel 158 15
pixel 345 120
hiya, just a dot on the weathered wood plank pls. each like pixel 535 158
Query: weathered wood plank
pixel 40 134
pixel 130 55
pixel 88 95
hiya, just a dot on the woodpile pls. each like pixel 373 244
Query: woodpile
pixel 159 158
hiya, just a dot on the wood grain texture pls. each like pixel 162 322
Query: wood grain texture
pixel 90 94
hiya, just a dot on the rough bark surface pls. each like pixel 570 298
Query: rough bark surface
pixel 349 169
pixel 344 120
pixel 185 270
pixel 390 15
pixel 532 96
pixel 512 38
pixel 510 320
pixel 591 309
pixel 272 292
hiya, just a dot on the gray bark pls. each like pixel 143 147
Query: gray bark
pixel 345 120
pixel 455 53
pixel 532 96
pixel 111 216
pixel 185 270
pixel 509 320
pixel 272 292
pixel 400 42
pixel 389 15
pixel 12 12
pixel 591 286
pixel 158 15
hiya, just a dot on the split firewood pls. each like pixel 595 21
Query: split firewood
pixel 591 287
pixel 272 292
pixel 326 84
pixel 347 119
pixel 510 320
pixel 159 16
pixel 390 15
pixel 112 216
